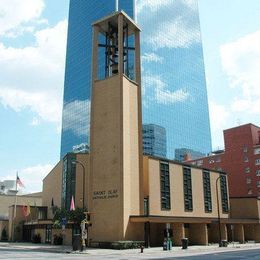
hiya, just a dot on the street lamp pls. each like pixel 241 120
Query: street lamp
pixel 84 175
pixel 219 227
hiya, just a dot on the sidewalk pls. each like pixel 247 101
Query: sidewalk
pixel 154 252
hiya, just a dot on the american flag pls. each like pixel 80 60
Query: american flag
pixel 19 182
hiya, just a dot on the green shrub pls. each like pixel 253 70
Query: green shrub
pixel 119 245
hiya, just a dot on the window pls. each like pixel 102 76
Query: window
pixel 48 234
pixel 187 186
pixel 257 172
pixel 224 194
pixel 250 192
pixel 257 162
pixel 248 181
pixel 165 186
pixel 247 170
pixel 246 159
pixel 218 159
pixel 211 161
pixel 257 151
pixel 258 184
pixel 245 149
pixel 207 191
pixel 42 212
pixel 199 163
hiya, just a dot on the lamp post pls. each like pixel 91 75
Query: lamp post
pixel 219 227
pixel 84 175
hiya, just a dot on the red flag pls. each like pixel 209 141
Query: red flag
pixel 72 204
pixel 19 182
pixel 26 210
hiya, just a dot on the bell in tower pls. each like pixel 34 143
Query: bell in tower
pixel 110 37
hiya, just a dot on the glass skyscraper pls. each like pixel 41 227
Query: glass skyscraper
pixel 174 93
pixel 77 86
pixel 154 140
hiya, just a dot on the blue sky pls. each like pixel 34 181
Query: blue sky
pixel 32 58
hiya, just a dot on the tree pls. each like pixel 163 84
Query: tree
pixel 76 216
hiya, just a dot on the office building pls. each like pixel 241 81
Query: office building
pixel 154 140
pixel 182 154
pixel 240 159
pixel 174 94
pixel 77 85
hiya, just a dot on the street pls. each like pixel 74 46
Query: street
pixel 29 253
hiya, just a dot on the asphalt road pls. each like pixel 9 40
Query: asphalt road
pixel 22 254
pixel 240 255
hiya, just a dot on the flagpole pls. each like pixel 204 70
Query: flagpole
pixel 15 204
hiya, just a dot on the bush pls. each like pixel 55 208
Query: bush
pixel 4 235
pixel 119 245
pixel 36 239
pixel 57 240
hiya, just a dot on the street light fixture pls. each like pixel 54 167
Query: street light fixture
pixel 219 227
pixel 84 175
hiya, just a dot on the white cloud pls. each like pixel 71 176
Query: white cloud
pixel 241 62
pixel 35 121
pixel 190 3
pixel 179 27
pixel 174 34
pixel 32 177
pixel 156 89
pixel 152 57
pixel 32 77
pixel 219 120
pixel 76 117
pixel 165 96
pixel 248 105
pixel 15 13
pixel 153 5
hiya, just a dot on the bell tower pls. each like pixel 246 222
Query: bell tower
pixel 116 130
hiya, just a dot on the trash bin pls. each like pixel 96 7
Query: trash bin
pixel 165 245
pixel 224 243
pixel 185 242
pixel 169 244
pixel 76 242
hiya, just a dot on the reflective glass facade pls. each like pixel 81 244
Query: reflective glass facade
pixel 174 94
pixel 77 86
pixel 68 180
pixel 173 76
pixel 154 140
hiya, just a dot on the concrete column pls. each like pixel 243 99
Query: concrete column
pixel 239 233
pixel 178 233
pixel 137 58
pixel 213 233
pixel 257 233
pixel 249 232
pixel 95 53
pixel 198 234
pixel 224 235
pixel 120 44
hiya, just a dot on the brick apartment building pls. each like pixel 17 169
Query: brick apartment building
pixel 240 159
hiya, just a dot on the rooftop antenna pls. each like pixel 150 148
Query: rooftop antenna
pixel 116 5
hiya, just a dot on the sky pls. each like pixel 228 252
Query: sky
pixel 32 63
